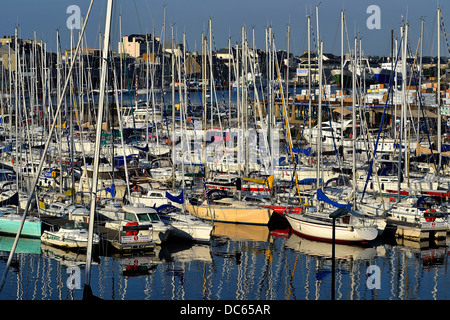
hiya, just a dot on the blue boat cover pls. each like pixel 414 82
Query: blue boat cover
pixel 306 151
pixel 111 190
pixel 178 199
pixel 8 148
pixel 309 181
pixel 322 197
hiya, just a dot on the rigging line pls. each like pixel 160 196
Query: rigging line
pixel 150 12
pixel 137 14
pixel 443 34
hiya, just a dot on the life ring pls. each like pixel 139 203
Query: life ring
pixel 392 199
pixel 53 173
pixel 356 175
pixel 132 233
pixel 12 160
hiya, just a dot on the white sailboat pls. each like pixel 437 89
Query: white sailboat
pixel 185 226
pixel 317 223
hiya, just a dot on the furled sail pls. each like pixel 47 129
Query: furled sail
pixel 322 197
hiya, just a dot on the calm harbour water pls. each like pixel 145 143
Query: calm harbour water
pixel 241 263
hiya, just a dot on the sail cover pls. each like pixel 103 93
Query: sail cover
pixel 111 190
pixel 178 199
pixel 322 197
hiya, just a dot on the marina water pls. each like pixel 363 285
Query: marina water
pixel 241 263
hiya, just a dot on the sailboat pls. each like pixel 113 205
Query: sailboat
pixel 185 226
pixel 317 222
pixel 352 227
pixel 225 208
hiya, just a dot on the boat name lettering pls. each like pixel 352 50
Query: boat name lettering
pixel 136 238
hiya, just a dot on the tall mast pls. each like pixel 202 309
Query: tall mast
pixel 173 111
pixel 309 81
pixel 342 79
pixel 420 75
pixel 16 103
pixel 319 119
pixel 58 97
pixel 354 123
pixel 439 87
pixel 287 65
pixel 406 122
pixel 98 136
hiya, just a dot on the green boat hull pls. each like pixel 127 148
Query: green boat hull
pixel 31 229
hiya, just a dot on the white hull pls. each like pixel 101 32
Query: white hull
pixel 68 238
pixel 201 233
pixel 323 231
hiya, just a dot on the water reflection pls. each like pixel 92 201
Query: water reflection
pixel 240 263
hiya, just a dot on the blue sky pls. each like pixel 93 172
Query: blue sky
pixel 191 17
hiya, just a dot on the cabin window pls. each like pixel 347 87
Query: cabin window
pixel 156 195
pixel 143 217
pixel 382 186
pixel 153 217
pixel 130 216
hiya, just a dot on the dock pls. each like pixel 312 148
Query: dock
pixel 417 233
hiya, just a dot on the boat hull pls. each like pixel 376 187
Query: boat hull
pixel 200 233
pixel 257 216
pixel 59 241
pixel 324 232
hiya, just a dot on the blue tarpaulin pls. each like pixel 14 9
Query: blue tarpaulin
pixel 112 190
pixel 178 199
pixel 306 151
pixel 8 148
pixel 322 197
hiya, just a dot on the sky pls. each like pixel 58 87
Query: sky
pixel 228 17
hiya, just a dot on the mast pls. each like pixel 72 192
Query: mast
pixel 58 97
pixel 229 82
pixel 420 76
pixel 287 65
pixel 173 112
pixel 403 33
pixel 439 131
pixel 342 80
pixel 309 82
pixel 354 125
pixel 319 120
pixel 211 76
pixel 97 144
pixel 16 105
